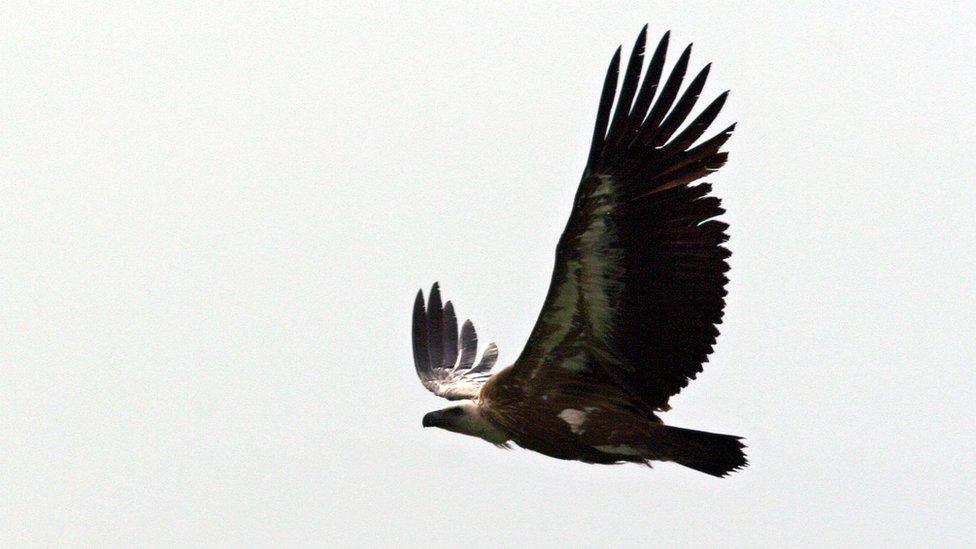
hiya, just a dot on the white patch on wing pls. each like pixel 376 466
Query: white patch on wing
pixel 456 388
pixel 601 270
pixel 592 275
pixel 574 418
pixel 621 449
pixel 564 306
pixel 574 364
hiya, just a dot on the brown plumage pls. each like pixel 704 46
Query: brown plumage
pixel 637 290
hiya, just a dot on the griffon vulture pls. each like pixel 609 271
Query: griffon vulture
pixel 637 290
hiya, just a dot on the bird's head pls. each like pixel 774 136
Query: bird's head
pixel 465 418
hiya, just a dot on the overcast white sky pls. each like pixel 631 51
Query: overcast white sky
pixel 214 221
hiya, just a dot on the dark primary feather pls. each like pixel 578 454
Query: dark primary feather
pixel 450 341
pixel 668 94
pixel 435 328
pixel 488 359
pixel 682 109
pixel 696 129
pixel 469 346
pixel 421 359
pixel 606 103
pixel 639 280
pixel 621 117
pixel 649 87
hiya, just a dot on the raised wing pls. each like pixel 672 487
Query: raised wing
pixel 443 358
pixel 639 279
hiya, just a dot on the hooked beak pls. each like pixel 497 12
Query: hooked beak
pixel 432 419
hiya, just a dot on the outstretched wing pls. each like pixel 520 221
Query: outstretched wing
pixel 443 358
pixel 639 279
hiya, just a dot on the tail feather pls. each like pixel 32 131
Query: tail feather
pixel 711 453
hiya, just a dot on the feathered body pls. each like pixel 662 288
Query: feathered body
pixel 637 290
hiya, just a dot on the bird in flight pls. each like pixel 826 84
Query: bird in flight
pixel 637 290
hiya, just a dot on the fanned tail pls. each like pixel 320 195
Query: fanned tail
pixel 711 453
